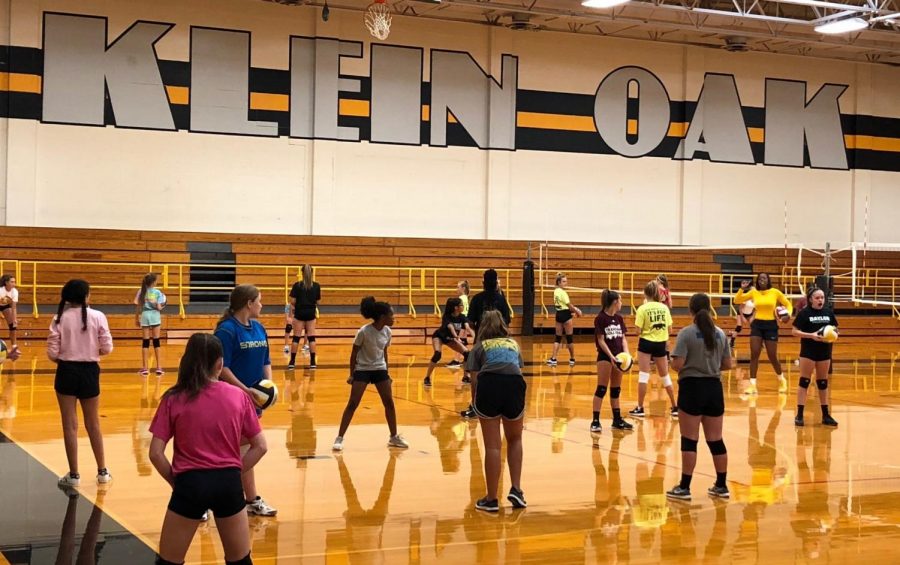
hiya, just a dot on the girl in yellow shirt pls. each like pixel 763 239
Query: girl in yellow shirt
pixel 653 320
pixel 771 307
pixel 564 325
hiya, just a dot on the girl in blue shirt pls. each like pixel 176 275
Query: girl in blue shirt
pixel 245 348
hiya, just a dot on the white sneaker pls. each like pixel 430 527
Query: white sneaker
pixel 259 508
pixel 286 349
pixel 205 517
pixel 103 476
pixel 398 442
pixel 306 348
pixel 68 480
pixel 338 444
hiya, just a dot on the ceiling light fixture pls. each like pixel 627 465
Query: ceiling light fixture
pixel 600 4
pixel 843 26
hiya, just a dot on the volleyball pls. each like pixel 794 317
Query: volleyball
pixel 625 361
pixel 161 299
pixel 265 393
pixel 829 334
pixel 782 313
pixel 3 351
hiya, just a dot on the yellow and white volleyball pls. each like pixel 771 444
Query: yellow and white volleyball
pixel 265 393
pixel 829 334
pixel 782 313
pixel 625 361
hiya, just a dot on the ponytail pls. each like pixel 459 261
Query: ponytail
pixel 608 298
pixel 149 279
pixel 75 293
pixel 242 295
pixel 702 310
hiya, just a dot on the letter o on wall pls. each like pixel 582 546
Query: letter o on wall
pixel 611 111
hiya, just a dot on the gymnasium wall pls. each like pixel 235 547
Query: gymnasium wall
pixel 209 129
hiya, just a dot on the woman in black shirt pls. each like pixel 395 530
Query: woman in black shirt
pixel 305 296
pixel 453 326
pixel 815 353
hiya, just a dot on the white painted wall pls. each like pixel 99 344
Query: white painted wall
pixel 114 178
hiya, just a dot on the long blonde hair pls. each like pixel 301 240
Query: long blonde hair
pixel 307 276
pixel 651 291
pixel 492 325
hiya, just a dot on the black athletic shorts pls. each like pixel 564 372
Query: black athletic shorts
pixel 499 395
pixel 444 337
pixel 816 351
pixel 80 379
pixel 656 349
pixel 305 313
pixel 766 329
pixel 372 377
pixel 701 396
pixel 5 307
pixel 219 490
pixel 602 356
pixel 563 316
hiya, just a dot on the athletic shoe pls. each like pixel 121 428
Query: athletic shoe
pixel 571 362
pixel 718 492
pixel 751 390
pixel 259 508
pixel 306 347
pixel 144 372
pixel 290 367
pixel 596 428
pixel 312 366
pixel 286 349
pixel 398 442
pixel 798 421
pixel 103 476
pixel 552 362
pixel 622 425
pixel 679 493
pixel 731 343
pixel 782 384
pixel 517 497
pixel 637 412
pixel 69 481
pixel 427 381
pixel 468 414
pixel 674 412
pixel 338 444
pixel 487 505
pixel 205 517
pixel 829 421
pixel 466 379
pixel 454 364
pixel 160 372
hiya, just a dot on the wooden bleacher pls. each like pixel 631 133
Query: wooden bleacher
pixel 351 267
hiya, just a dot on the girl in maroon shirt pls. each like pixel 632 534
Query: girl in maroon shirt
pixel 609 335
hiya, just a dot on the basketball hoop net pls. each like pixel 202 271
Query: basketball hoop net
pixel 378 19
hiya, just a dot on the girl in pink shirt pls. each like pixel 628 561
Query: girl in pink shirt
pixel 208 420
pixel 79 335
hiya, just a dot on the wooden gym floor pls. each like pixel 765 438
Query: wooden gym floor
pixel 812 494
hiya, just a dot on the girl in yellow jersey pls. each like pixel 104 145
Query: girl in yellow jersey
pixel 764 328
pixel 564 325
pixel 653 320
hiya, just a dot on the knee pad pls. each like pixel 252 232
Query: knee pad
pixel 804 382
pixel 717 447
pixel 288 328
pixel 436 357
pixel 643 378
pixel 600 392
pixel 145 343
pixel 161 561
pixel 245 561
pixel 156 342
pixel 557 339
pixel 688 444
pixel 569 339
pixel 311 339
pixel 295 339
pixel 615 391
pixel 667 381
pixel 738 329
pixel 822 384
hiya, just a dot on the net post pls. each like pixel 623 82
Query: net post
pixel 528 296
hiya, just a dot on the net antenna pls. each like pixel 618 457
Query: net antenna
pixel 378 19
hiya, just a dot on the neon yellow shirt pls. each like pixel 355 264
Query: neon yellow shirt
pixel 653 320
pixel 560 299
pixel 465 304
pixel 766 301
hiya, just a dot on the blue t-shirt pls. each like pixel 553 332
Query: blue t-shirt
pixel 245 349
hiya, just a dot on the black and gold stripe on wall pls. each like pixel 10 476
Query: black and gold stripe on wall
pixel 545 121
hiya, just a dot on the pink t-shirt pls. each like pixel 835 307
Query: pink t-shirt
pixel 68 341
pixel 207 429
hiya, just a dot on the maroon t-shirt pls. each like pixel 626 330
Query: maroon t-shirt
pixel 612 329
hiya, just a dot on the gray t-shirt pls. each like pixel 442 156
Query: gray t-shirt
pixel 699 361
pixel 498 356
pixel 371 343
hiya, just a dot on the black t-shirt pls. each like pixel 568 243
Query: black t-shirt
pixel 458 322
pixel 484 301
pixel 306 297
pixel 810 320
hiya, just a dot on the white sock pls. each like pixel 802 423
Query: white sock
pixel 753 381
pixel 781 377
